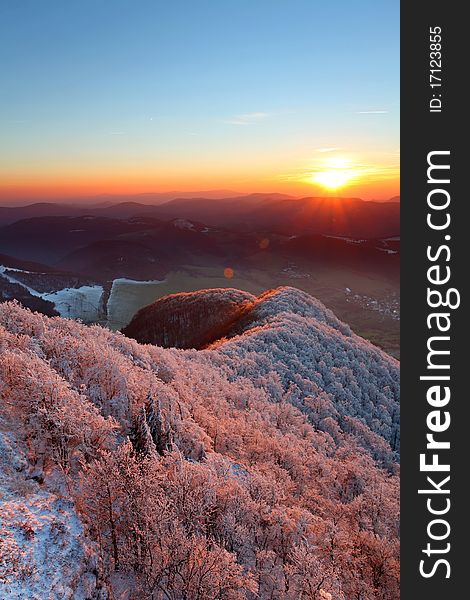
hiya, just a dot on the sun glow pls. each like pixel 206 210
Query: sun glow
pixel 335 173
pixel 332 179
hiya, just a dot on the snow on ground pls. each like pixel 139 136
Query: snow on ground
pixel 11 279
pixel 78 303
pixel 136 281
pixel 124 300
pixel 183 224
pixel 388 251
pixel 42 544
pixel 3 269
pixel 73 303
pixel 346 239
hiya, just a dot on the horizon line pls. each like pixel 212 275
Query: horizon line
pixel 174 195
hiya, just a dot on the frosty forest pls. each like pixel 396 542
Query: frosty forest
pixel 263 466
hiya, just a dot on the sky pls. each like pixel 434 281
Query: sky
pixel 134 96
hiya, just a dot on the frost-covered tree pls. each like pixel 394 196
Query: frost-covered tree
pixel 141 436
pixel 264 466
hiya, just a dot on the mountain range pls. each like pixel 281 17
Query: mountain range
pixel 325 246
pixel 255 212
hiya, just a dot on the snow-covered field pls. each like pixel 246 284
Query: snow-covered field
pixel 11 279
pixel 126 297
pixel 74 303
pixel 78 303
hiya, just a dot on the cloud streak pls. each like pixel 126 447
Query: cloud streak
pixel 248 118
pixel 323 150
pixel 372 112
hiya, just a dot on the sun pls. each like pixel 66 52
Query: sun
pixel 333 173
pixel 332 179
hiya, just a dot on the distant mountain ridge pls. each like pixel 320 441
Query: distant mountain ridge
pixel 342 216
pixel 254 212
pixel 145 246
pixel 118 206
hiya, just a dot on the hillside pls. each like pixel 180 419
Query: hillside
pixel 350 217
pixel 286 332
pixel 264 466
pixel 191 319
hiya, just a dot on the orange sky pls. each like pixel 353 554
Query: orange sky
pixel 320 173
pixel 295 97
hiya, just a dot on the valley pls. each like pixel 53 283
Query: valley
pixel 374 323
pixel 102 265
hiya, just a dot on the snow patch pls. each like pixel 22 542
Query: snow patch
pixel 5 275
pixel 183 224
pixel 77 303
pixel 73 303
pixel 121 280
pixel 122 294
pixel 43 548
pixel 345 239
pixel 388 251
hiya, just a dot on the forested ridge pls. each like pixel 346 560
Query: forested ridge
pixel 262 466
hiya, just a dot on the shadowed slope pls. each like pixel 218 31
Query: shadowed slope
pixel 189 320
